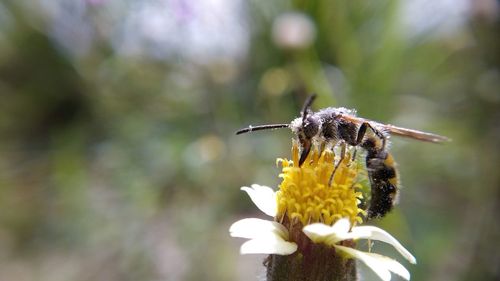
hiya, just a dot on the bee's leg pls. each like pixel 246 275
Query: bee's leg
pixel 343 148
pixel 380 135
pixel 362 132
pixel 321 148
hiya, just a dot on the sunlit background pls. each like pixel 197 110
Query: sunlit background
pixel 118 159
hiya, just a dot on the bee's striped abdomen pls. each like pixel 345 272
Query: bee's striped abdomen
pixel 383 179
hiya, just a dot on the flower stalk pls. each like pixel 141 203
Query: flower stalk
pixel 312 261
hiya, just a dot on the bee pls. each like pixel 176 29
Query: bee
pixel 340 126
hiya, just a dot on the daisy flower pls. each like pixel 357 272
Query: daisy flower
pixel 314 229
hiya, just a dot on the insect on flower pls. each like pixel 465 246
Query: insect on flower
pixel 339 126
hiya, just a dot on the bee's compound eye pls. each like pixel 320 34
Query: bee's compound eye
pixel 311 127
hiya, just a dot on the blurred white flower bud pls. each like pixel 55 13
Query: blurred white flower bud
pixel 293 31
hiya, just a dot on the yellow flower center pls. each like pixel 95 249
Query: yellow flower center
pixel 306 195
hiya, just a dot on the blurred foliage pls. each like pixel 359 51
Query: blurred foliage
pixel 118 159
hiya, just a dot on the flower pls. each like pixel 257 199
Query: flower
pixel 312 209
pixel 306 193
pixel 270 237
pixel 381 265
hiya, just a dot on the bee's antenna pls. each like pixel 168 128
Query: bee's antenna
pixel 262 127
pixel 307 105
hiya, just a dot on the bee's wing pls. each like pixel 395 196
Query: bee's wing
pixel 414 134
pixel 398 131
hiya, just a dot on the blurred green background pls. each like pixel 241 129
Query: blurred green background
pixel 118 159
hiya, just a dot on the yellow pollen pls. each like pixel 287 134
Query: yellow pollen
pixel 305 193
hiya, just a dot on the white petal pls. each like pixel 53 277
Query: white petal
pixel 376 265
pixel 350 235
pixel 318 232
pixel 271 244
pixel 392 265
pixel 255 228
pixel 263 197
pixel 341 226
pixel 375 233
pixel 342 232
pixel 321 233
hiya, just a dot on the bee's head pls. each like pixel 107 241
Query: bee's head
pixel 305 129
